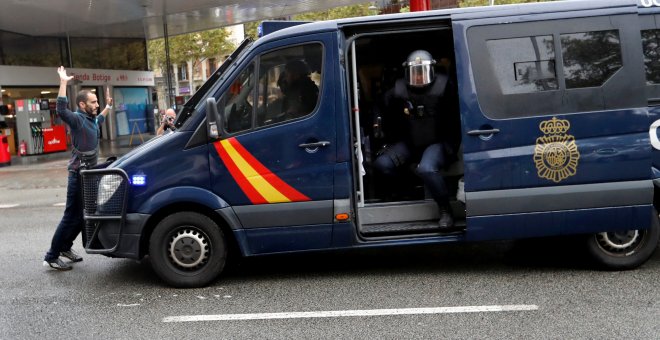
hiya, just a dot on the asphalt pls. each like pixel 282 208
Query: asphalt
pixel 107 148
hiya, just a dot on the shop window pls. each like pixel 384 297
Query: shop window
pixel 109 53
pixel 132 110
pixel 23 50
pixel 590 58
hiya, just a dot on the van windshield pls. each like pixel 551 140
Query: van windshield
pixel 188 108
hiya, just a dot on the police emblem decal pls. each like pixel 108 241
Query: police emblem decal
pixel 556 154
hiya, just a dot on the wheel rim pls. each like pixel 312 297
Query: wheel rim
pixel 622 243
pixel 188 248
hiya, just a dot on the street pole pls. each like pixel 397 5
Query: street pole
pixel 168 62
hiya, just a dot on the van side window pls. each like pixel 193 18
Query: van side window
pixel 524 65
pixel 651 46
pixel 289 81
pixel 590 58
pixel 237 102
pixel 547 67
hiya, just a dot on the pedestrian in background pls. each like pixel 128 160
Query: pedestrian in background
pixel 84 128
pixel 167 123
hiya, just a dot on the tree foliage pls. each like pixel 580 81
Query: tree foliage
pixel 193 47
pixel 336 13
pixel 471 3
pixel 330 14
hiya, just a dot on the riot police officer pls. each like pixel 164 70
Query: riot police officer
pixel 420 125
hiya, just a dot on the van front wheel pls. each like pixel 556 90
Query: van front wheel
pixel 187 249
pixel 624 249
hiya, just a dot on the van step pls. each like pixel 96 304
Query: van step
pixel 417 227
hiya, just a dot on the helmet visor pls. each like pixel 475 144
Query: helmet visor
pixel 420 75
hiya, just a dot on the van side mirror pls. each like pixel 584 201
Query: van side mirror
pixel 214 120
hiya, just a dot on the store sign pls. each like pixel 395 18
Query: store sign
pixel 54 139
pixel 39 76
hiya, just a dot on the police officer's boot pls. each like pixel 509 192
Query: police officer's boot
pixel 446 220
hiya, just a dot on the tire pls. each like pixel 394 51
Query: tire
pixel 187 250
pixel 625 249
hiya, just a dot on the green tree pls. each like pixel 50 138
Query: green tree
pixel 250 29
pixel 472 3
pixel 193 47
pixel 333 13
pixel 336 13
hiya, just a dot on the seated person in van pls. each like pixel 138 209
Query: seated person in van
pixel 300 92
pixel 420 126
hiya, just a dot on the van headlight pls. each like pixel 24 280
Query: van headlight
pixel 108 185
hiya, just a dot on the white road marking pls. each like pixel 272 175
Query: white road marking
pixel 344 313
pixel 7 206
pixel 127 305
pixel 59 204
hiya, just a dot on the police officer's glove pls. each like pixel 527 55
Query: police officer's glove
pixel 378 127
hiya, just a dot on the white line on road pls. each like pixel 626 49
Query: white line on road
pixel 7 206
pixel 61 204
pixel 343 313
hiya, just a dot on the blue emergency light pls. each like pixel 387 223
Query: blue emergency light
pixel 139 180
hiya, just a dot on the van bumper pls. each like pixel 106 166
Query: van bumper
pixel 117 239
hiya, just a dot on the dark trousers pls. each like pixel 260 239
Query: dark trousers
pixel 72 222
pixel 433 160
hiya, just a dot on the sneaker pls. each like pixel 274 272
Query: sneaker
pixel 57 264
pixel 71 255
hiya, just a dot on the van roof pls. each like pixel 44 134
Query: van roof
pixel 453 13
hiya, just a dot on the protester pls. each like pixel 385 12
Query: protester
pixel 84 127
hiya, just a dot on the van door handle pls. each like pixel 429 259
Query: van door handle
pixel 483 132
pixel 314 145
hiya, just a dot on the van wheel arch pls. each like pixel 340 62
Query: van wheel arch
pixel 626 249
pixel 231 243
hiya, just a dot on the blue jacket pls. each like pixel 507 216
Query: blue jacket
pixel 84 129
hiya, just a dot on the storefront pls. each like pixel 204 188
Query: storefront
pixel 28 100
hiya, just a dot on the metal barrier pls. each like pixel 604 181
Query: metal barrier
pixel 105 195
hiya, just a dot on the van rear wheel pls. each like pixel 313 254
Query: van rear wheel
pixel 187 249
pixel 624 249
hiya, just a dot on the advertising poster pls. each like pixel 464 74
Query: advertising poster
pixel 131 110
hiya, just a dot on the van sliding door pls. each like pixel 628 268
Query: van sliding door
pixel 555 134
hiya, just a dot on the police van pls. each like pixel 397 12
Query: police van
pixel 558 109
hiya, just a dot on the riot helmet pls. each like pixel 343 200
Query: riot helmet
pixel 419 68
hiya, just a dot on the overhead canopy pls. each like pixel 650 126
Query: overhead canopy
pixel 144 18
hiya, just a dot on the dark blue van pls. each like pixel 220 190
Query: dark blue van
pixel 556 102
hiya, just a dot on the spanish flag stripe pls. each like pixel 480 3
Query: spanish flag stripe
pixel 252 194
pixel 285 189
pixel 258 182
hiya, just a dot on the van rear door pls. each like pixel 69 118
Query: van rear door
pixel 555 124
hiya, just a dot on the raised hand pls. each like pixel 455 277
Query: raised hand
pixel 62 72
pixel 108 99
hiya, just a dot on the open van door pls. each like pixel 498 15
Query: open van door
pixel 555 125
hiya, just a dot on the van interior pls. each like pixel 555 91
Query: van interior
pixel 399 207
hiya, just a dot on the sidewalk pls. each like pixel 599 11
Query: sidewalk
pixel 118 147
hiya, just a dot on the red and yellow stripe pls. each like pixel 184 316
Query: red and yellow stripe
pixel 258 183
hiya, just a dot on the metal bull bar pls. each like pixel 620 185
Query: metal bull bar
pixel 105 196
